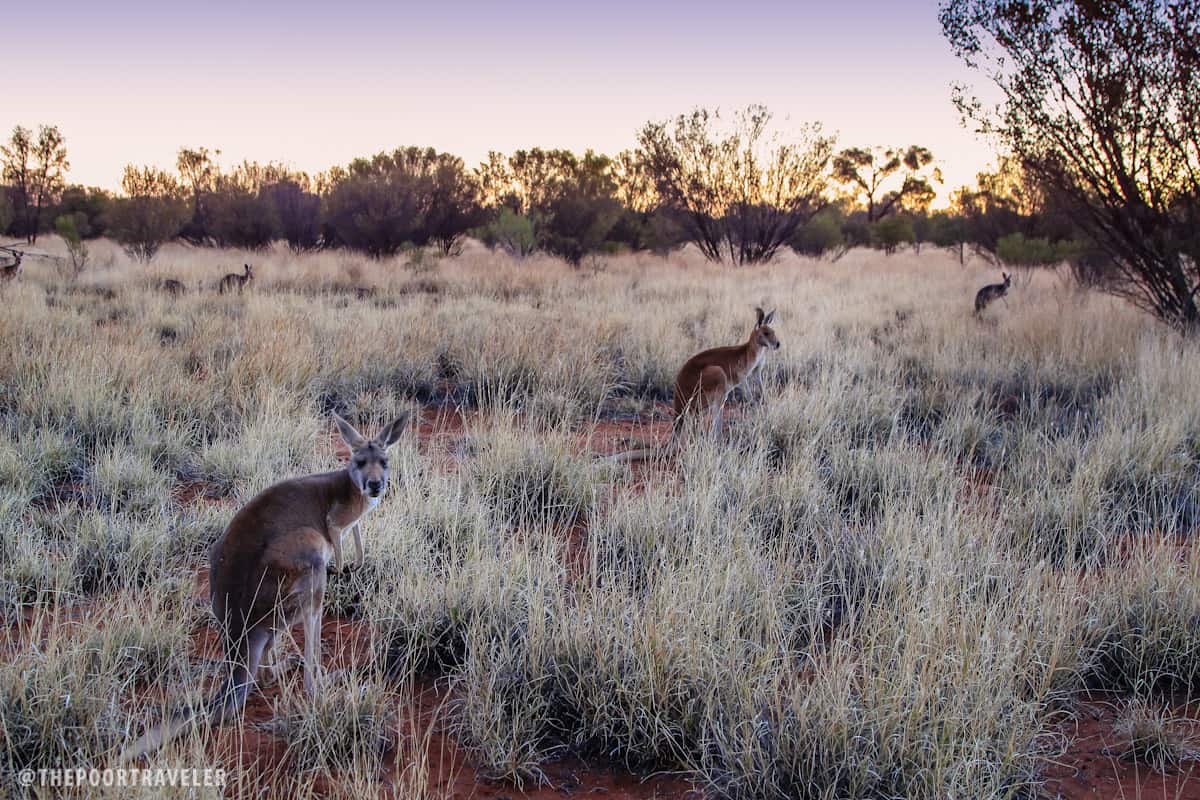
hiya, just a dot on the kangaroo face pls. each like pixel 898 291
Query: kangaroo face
pixel 368 467
pixel 765 336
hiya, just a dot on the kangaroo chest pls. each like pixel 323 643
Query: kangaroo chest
pixel 748 369
pixel 344 519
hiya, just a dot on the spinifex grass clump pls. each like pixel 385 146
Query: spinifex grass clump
pixel 532 481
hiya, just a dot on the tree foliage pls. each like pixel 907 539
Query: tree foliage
pixel 153 211
pixel 35 171
pixel 409 196
pixel 869 171
pixel 570 201
pixel 1100 103
pixel 740 190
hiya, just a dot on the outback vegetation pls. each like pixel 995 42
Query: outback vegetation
pixel 912 568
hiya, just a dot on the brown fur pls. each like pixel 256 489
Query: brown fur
pixel 706 380
pixel 235 281
pixel 992 291
pixel 267 571
pixel 10 271
pixel 173 287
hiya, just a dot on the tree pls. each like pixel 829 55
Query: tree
pixel 454 206
pixel 948 229
pixel 869 170
pixel 200 174
pixel 412 195
pixel 35 171
pixel 298 211
pixel 739 191
pixel 67 227
pixel 87 207
pixel 1100 104
pixel 568 200
pixel 6 210
pixel 153 211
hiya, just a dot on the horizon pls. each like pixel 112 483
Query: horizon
pixel 284 84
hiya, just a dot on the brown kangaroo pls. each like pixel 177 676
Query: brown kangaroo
pixel 267 570
pixel 10 271
pixel 991 292
pixel 706 380
pixel 173 287
pixel 232 280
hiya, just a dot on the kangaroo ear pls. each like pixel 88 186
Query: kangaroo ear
pixel 391 434
pixel 759 320
pixel 767 319
pixel 350 436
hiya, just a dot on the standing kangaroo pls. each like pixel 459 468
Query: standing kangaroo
pixel 267 570
pixel 991 292
pixel 232 280
pixel 706 380
pixel 10 271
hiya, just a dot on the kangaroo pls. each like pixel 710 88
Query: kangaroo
pixel 991 292
pixel 10 271
pixel 173 287
pixel 267 571
pixel 706 380
pixel 232 280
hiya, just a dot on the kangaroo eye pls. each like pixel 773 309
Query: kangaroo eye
pixel 383 463
pixel 360 462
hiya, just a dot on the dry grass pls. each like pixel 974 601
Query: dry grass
pixel 886 580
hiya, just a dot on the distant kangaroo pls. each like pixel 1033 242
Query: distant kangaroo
pixel 235 280
pixel 173 287
pixel 267 570
pixel 706 380
pixel 10 271
pixel 992 292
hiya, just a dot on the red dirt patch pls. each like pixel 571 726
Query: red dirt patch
pixel 1092 766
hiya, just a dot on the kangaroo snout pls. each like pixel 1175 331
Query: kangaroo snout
pixel 374 487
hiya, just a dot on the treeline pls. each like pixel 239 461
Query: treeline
pixel 736 187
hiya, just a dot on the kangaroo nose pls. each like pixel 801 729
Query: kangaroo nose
pixel 374 486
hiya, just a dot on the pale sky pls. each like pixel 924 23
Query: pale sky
pixel 317 84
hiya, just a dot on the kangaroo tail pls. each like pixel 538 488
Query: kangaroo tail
pixel 230 699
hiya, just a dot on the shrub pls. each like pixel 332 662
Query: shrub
pixel 1018 251
pixel 892 231
pixel 820 235
pixel 510 232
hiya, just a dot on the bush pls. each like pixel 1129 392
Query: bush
pixel 409 196
pixel 153 212
pixel 241 218
pixel 68 228
pixel 510 232
pixel 890 232
pixel 298 213
pixel 1018 251
pixel 820 235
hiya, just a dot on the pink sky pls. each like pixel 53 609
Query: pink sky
pixel 318 84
